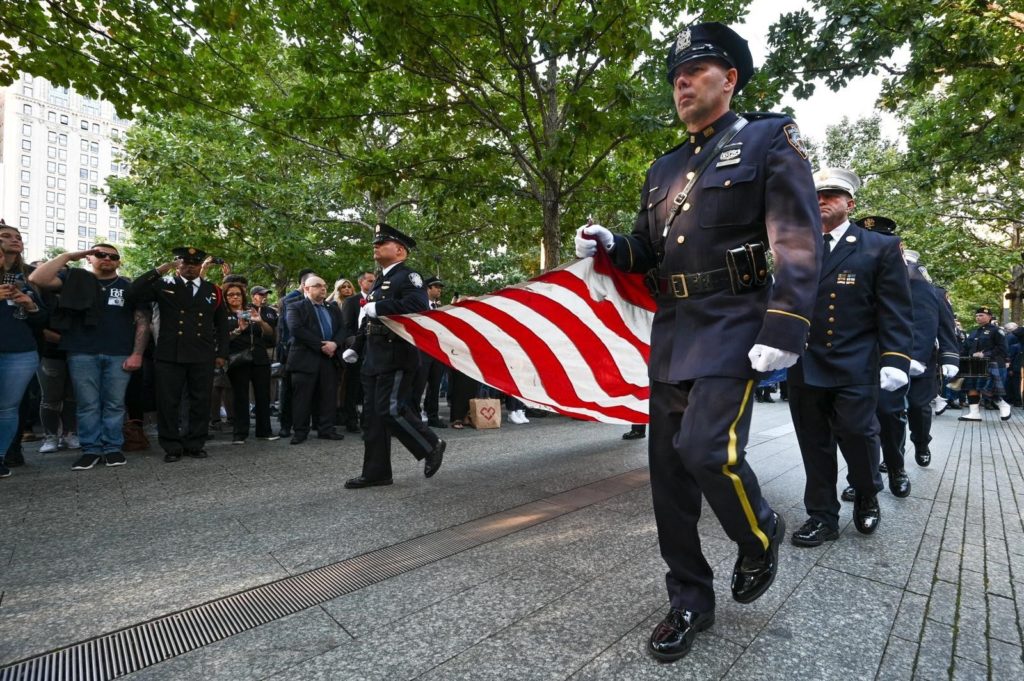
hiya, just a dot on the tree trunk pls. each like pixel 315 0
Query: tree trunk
pixel 551 241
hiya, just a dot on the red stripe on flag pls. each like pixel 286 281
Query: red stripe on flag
pixel 630 285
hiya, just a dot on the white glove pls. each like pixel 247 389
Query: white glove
pixel 891 378
pixel 350 356
pixel 764 358
pixel 370 310
pixel 586 248
pixel 950 370
pixel 916 368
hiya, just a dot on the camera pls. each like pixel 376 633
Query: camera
pixel 217 261
pixel 245 314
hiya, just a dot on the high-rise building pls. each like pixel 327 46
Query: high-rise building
pixel 56 150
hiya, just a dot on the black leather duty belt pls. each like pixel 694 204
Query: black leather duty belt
pixel 685 285
pixel 377 330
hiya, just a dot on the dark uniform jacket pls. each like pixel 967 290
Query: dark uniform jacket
pixel 193 328
pixel 762 193
pixel 400 291
pixel 933 319
pixel 304 349
pixel 863 315
pixel 990 340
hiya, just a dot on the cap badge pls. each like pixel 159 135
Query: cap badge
pixel 191 251
pixel 869 223
pixel 683 40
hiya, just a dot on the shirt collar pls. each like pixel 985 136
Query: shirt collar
pixel 838 232
pixel 700 139
pixel 390 267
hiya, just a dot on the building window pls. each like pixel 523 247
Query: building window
pixel 23 206
pixel 82 246
pixel 92 221
pixel 63 119
pixel 94 161
pixel 62 169
pixel 48 241
pixel 51 182
pixel 60 228
pixel 94 176
pixel 83 173
pixel 51 116
pixel 26 109
pixel 51 152
pixel 51 167
pixel 26 161
pixel 85 125
pixel 26 129
pixel 62 154
pixel 82 229
pixel 51 137
pixel 63 139
pixel 84 145
pixel 23 221
pixel 60 242
pixel 94 147
pixel 60 213
pixel 51 197
pixel 82 217
pixel 61 198
pixel 83 159
pixel 49 211
pixel 96 128
pixel 26 145
pixel 25 191
pixel 28 91
pixel 49 226
pixel 26 176
pixel 92 204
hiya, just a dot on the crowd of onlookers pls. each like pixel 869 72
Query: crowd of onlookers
pixel 85 352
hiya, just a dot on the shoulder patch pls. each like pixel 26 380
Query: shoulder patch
pixel 795 139
pixel 416 280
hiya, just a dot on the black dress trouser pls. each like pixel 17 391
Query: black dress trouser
pixel 195 379
pixel 387 410
pixel 315 392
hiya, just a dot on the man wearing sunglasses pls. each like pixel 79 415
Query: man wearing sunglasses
pixel 104 335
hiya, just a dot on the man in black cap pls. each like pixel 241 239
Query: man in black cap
pixel 426 389
pixel 860 343
pixel 193 338
pixel 986 342
pixel 711 209
pixel 389 365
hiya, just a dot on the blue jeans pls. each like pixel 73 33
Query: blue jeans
pixel 100 384
pixel 17 369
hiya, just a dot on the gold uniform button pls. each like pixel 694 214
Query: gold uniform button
pixel 680 239
pixel 697 150
pixel 829 332
pixel 689 175
pixel 828 345
pixel 831 320
pixel 651 204
pixel 686 206
pixel 200 314
pixel 832 296
pixel 181 333
pixel 831 307
pixel 728 182
pixel 746 277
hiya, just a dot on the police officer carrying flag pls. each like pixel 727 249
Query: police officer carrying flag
pixel 711 211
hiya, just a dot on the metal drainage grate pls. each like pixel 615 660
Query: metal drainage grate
pixel 137 647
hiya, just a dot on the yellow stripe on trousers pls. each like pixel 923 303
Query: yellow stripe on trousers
pixel 736 482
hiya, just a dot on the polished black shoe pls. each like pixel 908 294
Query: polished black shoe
pixel 634 435
pixel 922 456
pixel 171 458
pixel 751 577
pixel 436 423
pixel 674 635
pixel 298 438
pixel 434 458
pixel 899 484
pixel 360 482
pixel 866 513
pixel 330 436
pixel 197 453
pixel 284 432
pixel 849 494
pixel 813 533
pixel 883 467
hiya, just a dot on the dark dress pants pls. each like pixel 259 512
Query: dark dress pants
pixel 892 426
pixel 353 395
pixel 697 447
pixel 388 412
pixel 426 388
pixel 195 379
pixel 315 393
pixel 241 377
pixel 922 391
pixel 824 418
pixel 461 389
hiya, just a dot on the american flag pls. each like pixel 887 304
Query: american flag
pixel 575 340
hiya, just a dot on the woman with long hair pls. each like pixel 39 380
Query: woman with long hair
pixel 22 317
pixel 248 362
pixel 343 288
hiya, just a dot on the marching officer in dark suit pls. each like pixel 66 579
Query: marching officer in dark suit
pixel 861 339
pixel 711 210
pixel 389 365
pixel 316 334
pixel 987 343
pixel 193 338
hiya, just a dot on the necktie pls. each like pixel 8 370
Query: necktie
pixel 828 242
pixel 325 322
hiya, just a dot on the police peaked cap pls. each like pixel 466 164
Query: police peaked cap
pixel 837 179
pixel 433 281
pixel 189 254
pixel 984 310
pixel 711 39
pixel 385 232
pixel 877 223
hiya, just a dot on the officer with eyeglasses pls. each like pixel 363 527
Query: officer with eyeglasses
pixel 104 333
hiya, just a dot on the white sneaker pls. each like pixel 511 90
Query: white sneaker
pixel 1004 409
pixel 940 405
pixel 518 416
pixel 50 445
pixel 71 441
pixel 423 416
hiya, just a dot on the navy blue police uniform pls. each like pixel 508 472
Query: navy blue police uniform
pixel 388 371
pixel 990 341
pixel 716 298
pixel 193 334
pixel 862 321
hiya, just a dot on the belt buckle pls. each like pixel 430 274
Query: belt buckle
pixel 679 289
